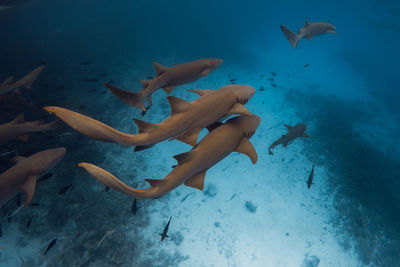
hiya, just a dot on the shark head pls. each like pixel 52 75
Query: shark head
pixel 243 93
pixel 248 124
pixel 46 159
pixel 302 127
pixel 213 63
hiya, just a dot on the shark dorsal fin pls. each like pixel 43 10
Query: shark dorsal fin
pixel 288 126
pixel 155 182
pixel 160 69
pixel 184 157
pixel 307 22
pixel 190 136
pixel 196 181
pixel 28 189
pixel 178 105
pixel 17 159
pixel 239 109
pixel 202 92
pixel 248 149
pixel 18 119
pixel 145 83
pixel 145 127
pixel 214 125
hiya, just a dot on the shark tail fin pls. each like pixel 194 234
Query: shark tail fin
pixel 113 182
pixel 292 37
pixel 134 99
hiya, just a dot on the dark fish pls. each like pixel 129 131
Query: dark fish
pixel 86 62
pixel 306 65
pixel 270 79
pixel 273 73
pixel 18 200
pixel 91 80
pixel 273 85
pixel 144 111
pixel 185 197
pixel 234 195
pixel 150 77
pixel 232 80
pixel 34 204
pixel 134 207
pixel 262 88
pixel 111 82
pixel 45 177
pixel 92 90
pixel 164 233
pixel 310 178
pixel 28 223
pixel 52 243
pixel 64 189
pixel 263 102
pixel 107 188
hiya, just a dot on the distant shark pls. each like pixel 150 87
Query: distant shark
pixel 26 81
pixel 185 123
pixel 18 128
pixel 167 78
pixel 192 166
pixel 23 175
pixel 165 231
pixel 293 132
pixel 309 30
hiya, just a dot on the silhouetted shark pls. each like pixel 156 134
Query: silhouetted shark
pixel 22 176
pixel 185 123
pixel 309 30
pixel 167 78
pixel 293 132
pixel 26 81
pixel 192 166
pixel 18 128
pixel 165 231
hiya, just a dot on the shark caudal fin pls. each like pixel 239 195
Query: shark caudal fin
pixel 134 99
pixel 292 37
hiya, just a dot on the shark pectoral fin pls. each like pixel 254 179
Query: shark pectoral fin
pixel 201 92
pixel 145 83
pixel 184 157
pixel 196 181
pixel 190 136
pixel 17 159
pixel 168 89
pixel 148 98
pixel 288 126
pixel 205 72
pixel 248 149
pixel 160 69
pixel 308 38
pixel 155 182
pixel 28 189
pixel 18 119
pixel 178 105
pixel 140 148
pixel 331 31
pixel 305 135
pixel 214 125
pixel 239 109
pixel 145 127
pixel 24 137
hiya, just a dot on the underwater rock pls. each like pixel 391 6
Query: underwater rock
pixel 211 190
pixel 251 207
pixel 310 261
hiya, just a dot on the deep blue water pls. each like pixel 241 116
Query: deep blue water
pixel 348 95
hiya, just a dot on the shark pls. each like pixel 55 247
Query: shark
pixel 19 128
pixel 294 132
pixel 222 140
pixel 184 124
pixel 8 85
pixel 165 231
pixel 309 30
pixel 23 175
pixel 167 78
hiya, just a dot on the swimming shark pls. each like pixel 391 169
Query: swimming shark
pixel 165 231
pixel 184 124
pixel 167 78
pixel 18 128
pixel 294 132
pixel 222 140
pixel 309 30
pixel 26 81
pixel 23 175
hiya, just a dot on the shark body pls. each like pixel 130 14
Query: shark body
pixel 26 81
pixel 167 78
pixel 192 166
pixel 23 175
pixel 309 30
pixel 165 231
pixel 294 132
pixel 184 124
pixel 18 128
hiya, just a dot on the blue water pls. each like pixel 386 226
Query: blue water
pixel 348 95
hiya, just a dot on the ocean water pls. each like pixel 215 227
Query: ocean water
pixel 345 87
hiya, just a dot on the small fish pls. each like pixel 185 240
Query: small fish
pixel 234 195
pixel 262 88
pixel 144 111
pixel 271 79
pixel 185 197
pixel 134 206
pixel 18 200
pixel 273 73
pixel 34 204
pixel 45 177
pixel 232 80
pixel 150 77
pixel 84 63
pixel 106 189
pixel 91 80
pixel 273 85
pixel 52 243
pixel 310 178
pixel 64 189
pixel 28 223
pixel 306 65
pixel 164 233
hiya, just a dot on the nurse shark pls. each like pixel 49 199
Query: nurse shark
pixel 26 81
pixel 294 132
pixel 222 140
